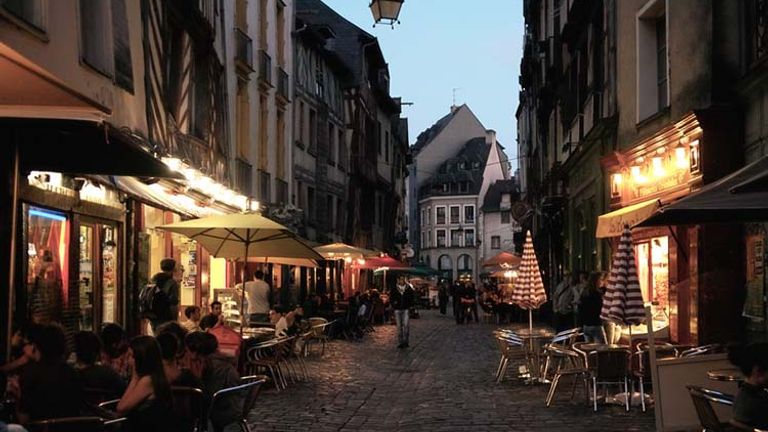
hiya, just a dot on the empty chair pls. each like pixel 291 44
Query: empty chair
pixel 507 345
pixel 643 372
pixel 611 366
pixel 573 365
pixel 318 332
pixel 564 339
pixel 267 356
pixel 244 394
pixel 703 399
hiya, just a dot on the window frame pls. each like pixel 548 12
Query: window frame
pixel 458 216
pixel 437 215
pixel 474 240
pixel 464 215
pixel 508 215
pixel 495 242
pixel 444 233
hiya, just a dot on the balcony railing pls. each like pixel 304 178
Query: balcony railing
pixel 243 52
pixel 282 84
pixel 243 177
pixel 265 67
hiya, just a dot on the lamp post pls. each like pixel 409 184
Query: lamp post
pixel 386 10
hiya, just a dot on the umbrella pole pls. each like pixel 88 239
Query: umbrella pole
pixel 530 320
pixel 242 278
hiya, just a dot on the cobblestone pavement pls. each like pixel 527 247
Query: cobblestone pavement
pixel 443 382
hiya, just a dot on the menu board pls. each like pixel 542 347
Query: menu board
pixel 753 304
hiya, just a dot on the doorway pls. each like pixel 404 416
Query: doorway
pixel 99 275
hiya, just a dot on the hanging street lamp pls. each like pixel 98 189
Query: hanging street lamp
pixel 386 11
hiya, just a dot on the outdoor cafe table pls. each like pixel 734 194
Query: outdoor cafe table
pixel 727 374
pixel 533 341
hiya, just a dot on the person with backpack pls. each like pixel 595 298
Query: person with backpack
pixel 159 301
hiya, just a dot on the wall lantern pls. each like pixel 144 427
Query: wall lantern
pixel 681 157
pixel 386 11
pixel 616 180
pixel 657 162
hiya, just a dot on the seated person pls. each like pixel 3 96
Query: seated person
pixel 218 373
pixel 50 388
pixel 174 373
pixel 277 317
pixel 193 319
pixel 148 402
pixel 176 329
pixel 92 375
pixel 115 350
pixel 229 341
pixel 751 404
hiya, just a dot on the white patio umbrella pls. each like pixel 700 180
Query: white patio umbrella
pixel 623 300
pixel 528 290
pixel 243 235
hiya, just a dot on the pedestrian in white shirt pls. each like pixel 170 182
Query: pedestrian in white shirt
pixel 258 294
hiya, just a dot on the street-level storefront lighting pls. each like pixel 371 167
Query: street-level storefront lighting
pixel 386 10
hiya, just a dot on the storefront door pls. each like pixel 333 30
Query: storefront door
pixel 653 272
pixel 98 277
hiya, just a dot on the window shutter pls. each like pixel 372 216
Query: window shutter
pixel 122 46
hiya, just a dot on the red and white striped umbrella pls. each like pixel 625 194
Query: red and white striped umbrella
pixel 528 291
pixel 623 300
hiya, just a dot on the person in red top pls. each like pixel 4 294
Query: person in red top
pixel 229 340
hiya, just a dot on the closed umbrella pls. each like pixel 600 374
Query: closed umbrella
pixel 623 300
pixel 528 291
pixel 240 236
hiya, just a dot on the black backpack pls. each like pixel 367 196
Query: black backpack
pixel 153 302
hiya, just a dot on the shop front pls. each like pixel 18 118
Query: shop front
pixel 684 268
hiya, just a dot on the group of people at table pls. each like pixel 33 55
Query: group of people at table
pixel 45 381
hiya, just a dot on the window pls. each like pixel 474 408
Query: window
pixel 329 210
pixel 423 240
pixel 456 238
pixel 386 146
pixel 652 59
pixel 121 46
pixel 265 187
pixel 311 203
pixel 506 202
pixel 281 146
pixel 429 215
pixel 312 129
pixel 95 48
pixel 429 238
pixel 505 217
pixel 339 215
pixel 469 214
pixel 469 237
pixel 423 217
pixel 463 186
pixel 445 266
pixel 342 162
pixel 455 215
pixel 381 210
pixel 440 215
pixel 319 80
pixel 464 263
pixel 241 17
pixel 331 144
pixel 379 142
pixel 300 124
pixel 281 191
pixel 280 18
pixel 262 18
pixel 495 242
pixel 30 11
pixel 440 234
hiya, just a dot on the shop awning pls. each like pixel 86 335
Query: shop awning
pixel 612 224
pixel 81 147
pixel 153 196
pixel 739 197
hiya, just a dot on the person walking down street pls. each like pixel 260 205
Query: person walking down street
pixel 402 298
pixel 589 310
pixel 455 291
pixel 470 296
pixel 259 297
pixel 166 305
pixel 442 297
pixel 562 304
pixel 579 281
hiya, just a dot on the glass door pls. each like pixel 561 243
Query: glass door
pixel 86 280
pixel 109 273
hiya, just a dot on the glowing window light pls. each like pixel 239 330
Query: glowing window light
pixel 681 157
pixel 658 166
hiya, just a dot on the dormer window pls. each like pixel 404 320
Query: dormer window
pixel 446 187
pixel 475 165
pixel 463 186
pixel 506 202
pixel 462 165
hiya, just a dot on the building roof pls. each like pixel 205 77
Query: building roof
pixel 350 39
pixel 467 166
pixel 492 200
pixel 431 132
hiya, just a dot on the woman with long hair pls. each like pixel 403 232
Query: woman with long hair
pixel 147 402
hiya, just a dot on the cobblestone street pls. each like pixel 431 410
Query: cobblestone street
pixel 444 382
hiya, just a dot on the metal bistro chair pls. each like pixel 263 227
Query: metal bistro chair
pixel 267 355
pixel 507 345
pixel 643 372
pixel 318 332
pixel 702 350
pixel 564 339
pixel 187 407
pixel 249 389
pixel 703 398
pixel 611 367
pixel 577 369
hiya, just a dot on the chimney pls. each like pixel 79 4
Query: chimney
pixel 454 108
pixel 490 136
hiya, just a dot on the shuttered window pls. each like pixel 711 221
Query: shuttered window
pixel 122 46
pixel 94 35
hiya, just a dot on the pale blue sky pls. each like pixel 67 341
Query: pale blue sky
pixel 444 44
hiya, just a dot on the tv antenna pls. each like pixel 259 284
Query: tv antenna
pixel 455 89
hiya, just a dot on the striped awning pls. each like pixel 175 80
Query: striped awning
pixel 528 290
pixel 623 300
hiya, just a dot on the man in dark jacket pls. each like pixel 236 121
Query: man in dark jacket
pixel 402 297
pixel 168 281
